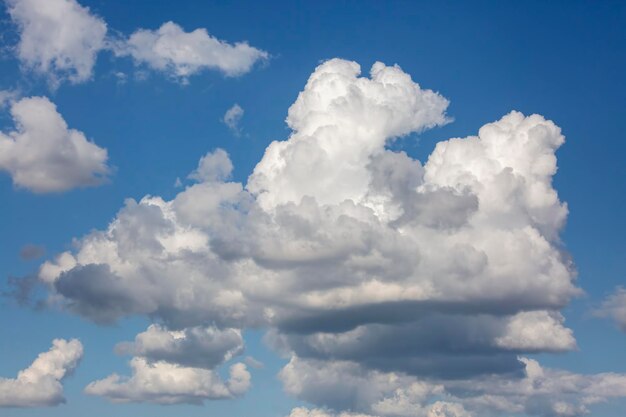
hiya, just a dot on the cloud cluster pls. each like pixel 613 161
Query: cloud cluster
pixel 177 367
pixel 40 383
pixel 61 40
pixel 395 287
pixel 58 38
pixel 43 155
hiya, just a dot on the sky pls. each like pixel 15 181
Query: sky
pixel 312 209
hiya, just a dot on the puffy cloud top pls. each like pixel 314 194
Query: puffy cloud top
pixel 340 121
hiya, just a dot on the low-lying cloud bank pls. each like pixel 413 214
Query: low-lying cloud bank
pixel 395 287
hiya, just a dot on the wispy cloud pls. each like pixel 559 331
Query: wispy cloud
pixel 233 117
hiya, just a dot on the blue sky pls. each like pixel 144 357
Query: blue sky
pixel 562 60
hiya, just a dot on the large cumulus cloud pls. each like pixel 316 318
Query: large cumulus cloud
pixel 390 284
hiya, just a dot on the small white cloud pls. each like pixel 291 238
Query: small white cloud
pixel 181 54
pixel 40 384
pixel 214 166
pixel 232 117
pixel 253 363
pixel 43 155
pixel 121 77
pixel 614 307
pixel 58 38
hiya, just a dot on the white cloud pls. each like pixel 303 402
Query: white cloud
pixel 386 279
pixel 58 38
pixel 232 118
pixel 167 383
pixel 40 384
pixel 181 54
pixel 614 307
pixel 43 155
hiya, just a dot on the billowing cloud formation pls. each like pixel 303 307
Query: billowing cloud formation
pixel 614 307
pixel 58 38
pixel 340 122
pixel 181 54
pixel 40 383
pixel 43 155
pixel 232 117
pixel 393 285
